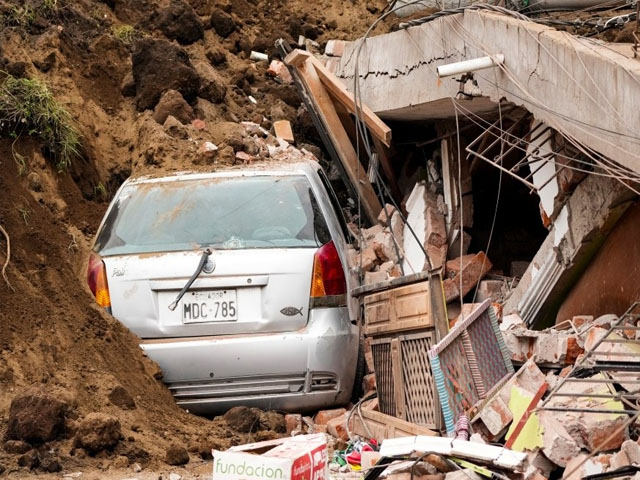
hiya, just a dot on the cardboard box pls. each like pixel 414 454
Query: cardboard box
pixel 294 458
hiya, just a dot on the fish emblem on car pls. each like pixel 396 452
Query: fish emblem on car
pixel 291 311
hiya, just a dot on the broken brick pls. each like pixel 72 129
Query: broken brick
pixel 337 427
pixel 279 70
pixel 369 383
pixel 293 423
pixel 385 215
pixel 324 416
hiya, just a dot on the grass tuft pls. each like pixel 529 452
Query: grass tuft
pixel 125 33
pixel 27 106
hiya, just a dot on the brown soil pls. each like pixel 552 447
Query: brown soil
pixel 51 333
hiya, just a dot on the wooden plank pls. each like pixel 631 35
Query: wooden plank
pixel 399 309
pixel 384 153
pixel 384 426
pixel 378 128
pixel 327 113
pixel 398 381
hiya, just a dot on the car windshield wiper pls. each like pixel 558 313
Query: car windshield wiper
pixel 203 260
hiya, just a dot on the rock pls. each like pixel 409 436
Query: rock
pixel 97 432
pixel 128 85
pixel 222 23
pixel 172 104
pixel 120 397
pixel 51 464
pixel 273 421
pixel 212 86
pixel 558 446
pixel 176 455
pixel 121 461
pixel 293 423
pixel 45 63
pixel 17 69
pixel 2 469
pixel 159 66
pixel 387 210
pixel 179 22
pixel 632 450
pixel 16 446
pixel 243 419
pixel 29 460
pixel 174 476
pixel 324 416
pixel 174 128
pixel 368 258
pixel 208 150
pixel 216 56
pixel 36 417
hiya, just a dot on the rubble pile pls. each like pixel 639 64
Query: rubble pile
pixel 529 426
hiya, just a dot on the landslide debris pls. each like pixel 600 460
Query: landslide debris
pixel 150 86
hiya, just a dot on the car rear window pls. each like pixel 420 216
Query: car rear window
pixel 224 213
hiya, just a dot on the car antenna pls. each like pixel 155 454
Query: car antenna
pixel 203 260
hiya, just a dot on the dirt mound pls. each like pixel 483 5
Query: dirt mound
pixel 92 53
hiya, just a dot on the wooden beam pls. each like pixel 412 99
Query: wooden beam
pixel 385 155
pixel 384 426
pixel 340 139
pixel 376 126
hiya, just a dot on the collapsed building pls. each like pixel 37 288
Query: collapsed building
pixel 495 162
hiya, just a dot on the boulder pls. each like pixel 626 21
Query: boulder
pixel 159 66
pixel 98 432
pixel 179 22
pixel 16 446
pixel 120 397
pixel 36 417
pixel 173 104
pixel 212 86
pixel 273 421
pixel 29 460
pixel 243 419
pixel 176 455
pixel 222 23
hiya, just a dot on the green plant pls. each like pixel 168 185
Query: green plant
pixel 49 6
pixel 124 33
pixel 100 191
pixel 25 212
pixel 19 17
pixel 28 106
pixel 25 15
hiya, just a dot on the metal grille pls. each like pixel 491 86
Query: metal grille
pixel 421 404
pixel 383 367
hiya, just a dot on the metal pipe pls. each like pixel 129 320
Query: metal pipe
pixel 472 65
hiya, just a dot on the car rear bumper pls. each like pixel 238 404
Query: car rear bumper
pixel 295 371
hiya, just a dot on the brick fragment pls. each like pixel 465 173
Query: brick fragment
pixel 324 416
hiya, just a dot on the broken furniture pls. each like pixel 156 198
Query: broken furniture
pixel 331 107
pixel 469 363
pixel 404 318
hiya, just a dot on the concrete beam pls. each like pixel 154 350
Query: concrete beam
pixel 587 89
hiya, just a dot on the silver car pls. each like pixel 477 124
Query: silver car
pixel 236 282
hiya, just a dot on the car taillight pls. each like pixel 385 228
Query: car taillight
pixel 97 280
pixel 328 275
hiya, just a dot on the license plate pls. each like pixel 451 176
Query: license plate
pixel 209 306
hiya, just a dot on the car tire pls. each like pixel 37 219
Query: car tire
pixel 358 391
